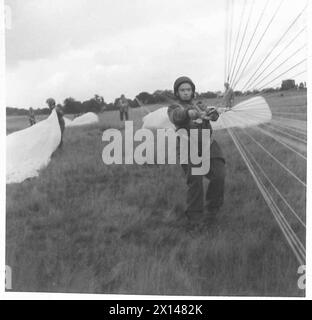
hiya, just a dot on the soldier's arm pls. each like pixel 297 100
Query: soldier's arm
pixel 232 96
pixel 178 115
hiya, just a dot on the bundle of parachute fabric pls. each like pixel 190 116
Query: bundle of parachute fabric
pixel 29 150
pixel 87 118
pixel 251 112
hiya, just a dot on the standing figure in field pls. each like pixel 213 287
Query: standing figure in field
pixel 185 114
pixel 228 97
pixel 123 106
pixel 31 117
pixel 60 115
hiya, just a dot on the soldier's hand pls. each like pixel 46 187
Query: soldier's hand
pixel 212 114
pixel 193 114
pixel 203 115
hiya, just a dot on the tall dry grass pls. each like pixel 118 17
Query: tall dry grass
pixel 83 226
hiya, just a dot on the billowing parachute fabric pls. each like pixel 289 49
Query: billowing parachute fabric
pixel 158 120
pixel 30 150
pixel 251 112
pixel 248 113
pixel 88 118
pixel 67 122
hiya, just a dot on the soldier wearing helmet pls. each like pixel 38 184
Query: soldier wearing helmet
pixel 123 106
pixel 60 115
pixel 31 117
pixel 228 97
pixel 186 114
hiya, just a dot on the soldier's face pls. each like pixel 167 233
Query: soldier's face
pixel 185 92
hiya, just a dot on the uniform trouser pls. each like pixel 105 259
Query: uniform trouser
pixel 62 126
pixel 228 105
pixel 195 193
pixel 124 115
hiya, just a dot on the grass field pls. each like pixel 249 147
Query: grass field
pixel 83 226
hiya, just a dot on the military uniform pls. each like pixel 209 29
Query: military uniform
pixel 31 118
pixel 179 116
pixel 228 98
pixel 60 117
pixel 123 105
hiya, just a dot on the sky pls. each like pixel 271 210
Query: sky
pixel 78 48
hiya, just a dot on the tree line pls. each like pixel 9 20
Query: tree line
pixel 97 104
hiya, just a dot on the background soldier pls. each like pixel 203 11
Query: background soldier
pixel 228 98
pixel 123 106
pixel 31 117
pixel 60 116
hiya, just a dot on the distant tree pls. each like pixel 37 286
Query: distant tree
pixel 72 106
pixel 160 96
pixel 135 104
pixel 44 111
pixel 145 98
pixel 288 84
pixel 10 111
pixel 238 93
pixel 268 90
pixel 208 95
pixel 95 104
pixel 110 107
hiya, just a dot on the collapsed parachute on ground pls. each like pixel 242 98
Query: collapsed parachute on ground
pixel 88 118
pixel 30 150
pixel 248 113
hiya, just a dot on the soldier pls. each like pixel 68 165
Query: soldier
pixel 185 114
pixel 228 98
pixel 51 104
pixel 31 117
pixel 123 105
pixel 60 114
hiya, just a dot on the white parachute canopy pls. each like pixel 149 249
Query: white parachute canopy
pixel 251 112
pixel 158 119
pixel 29 150
pixel 248 113
pixel 88 118
pixel 67 122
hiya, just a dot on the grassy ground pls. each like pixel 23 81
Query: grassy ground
pixel 83 226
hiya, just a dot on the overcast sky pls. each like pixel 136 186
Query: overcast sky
pixel 78 48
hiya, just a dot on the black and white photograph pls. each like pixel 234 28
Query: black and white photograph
pixel 156 148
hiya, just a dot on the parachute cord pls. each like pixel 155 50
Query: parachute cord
pixel 259 42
